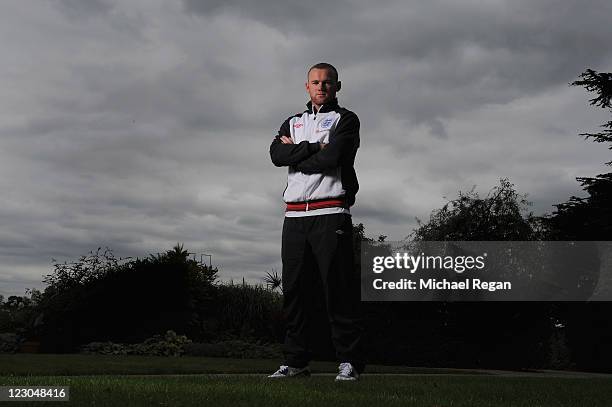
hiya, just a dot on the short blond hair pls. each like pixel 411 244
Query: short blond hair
pixel 324 65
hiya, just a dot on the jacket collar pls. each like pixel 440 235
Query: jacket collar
pixel 327 107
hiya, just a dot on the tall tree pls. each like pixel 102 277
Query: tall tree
pixel 589 218
pixel 501 215
pixel 489 334
pixel 588 325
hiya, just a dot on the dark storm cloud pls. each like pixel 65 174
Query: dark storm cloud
pixel 290 16
pixel 83 8
pixel 427 61
pixel 439 62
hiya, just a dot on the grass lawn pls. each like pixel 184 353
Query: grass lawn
pixel 75 364
pixel 433 391
pixel 101 384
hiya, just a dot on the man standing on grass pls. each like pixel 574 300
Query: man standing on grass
pixel 319 147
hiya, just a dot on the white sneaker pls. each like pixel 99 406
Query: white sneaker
pixel 288 371
pixel 347 372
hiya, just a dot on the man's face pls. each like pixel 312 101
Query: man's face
pixel 321 86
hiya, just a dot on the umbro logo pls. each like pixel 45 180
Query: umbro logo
pixel 298 125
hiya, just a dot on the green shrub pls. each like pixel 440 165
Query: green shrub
pixel 97 298
pixel 106 348
pixel 18 313
pixel 169 344
pixel 236 348
pixel 9 342
pixel 249 311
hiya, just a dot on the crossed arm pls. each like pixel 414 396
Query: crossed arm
pixel 285 153
pixel 311 158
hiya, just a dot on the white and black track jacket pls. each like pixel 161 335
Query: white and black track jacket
pixel 314 173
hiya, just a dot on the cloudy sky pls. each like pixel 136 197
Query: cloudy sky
pixel 139 124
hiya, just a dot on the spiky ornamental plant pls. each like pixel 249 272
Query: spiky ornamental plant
pixel 273 280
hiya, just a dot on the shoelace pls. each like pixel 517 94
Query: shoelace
pixel 283 369
pixel 346 369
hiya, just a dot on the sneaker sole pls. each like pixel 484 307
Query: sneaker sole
pixel 301 374
pixel 346 379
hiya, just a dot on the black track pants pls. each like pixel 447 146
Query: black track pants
pixel 322 243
